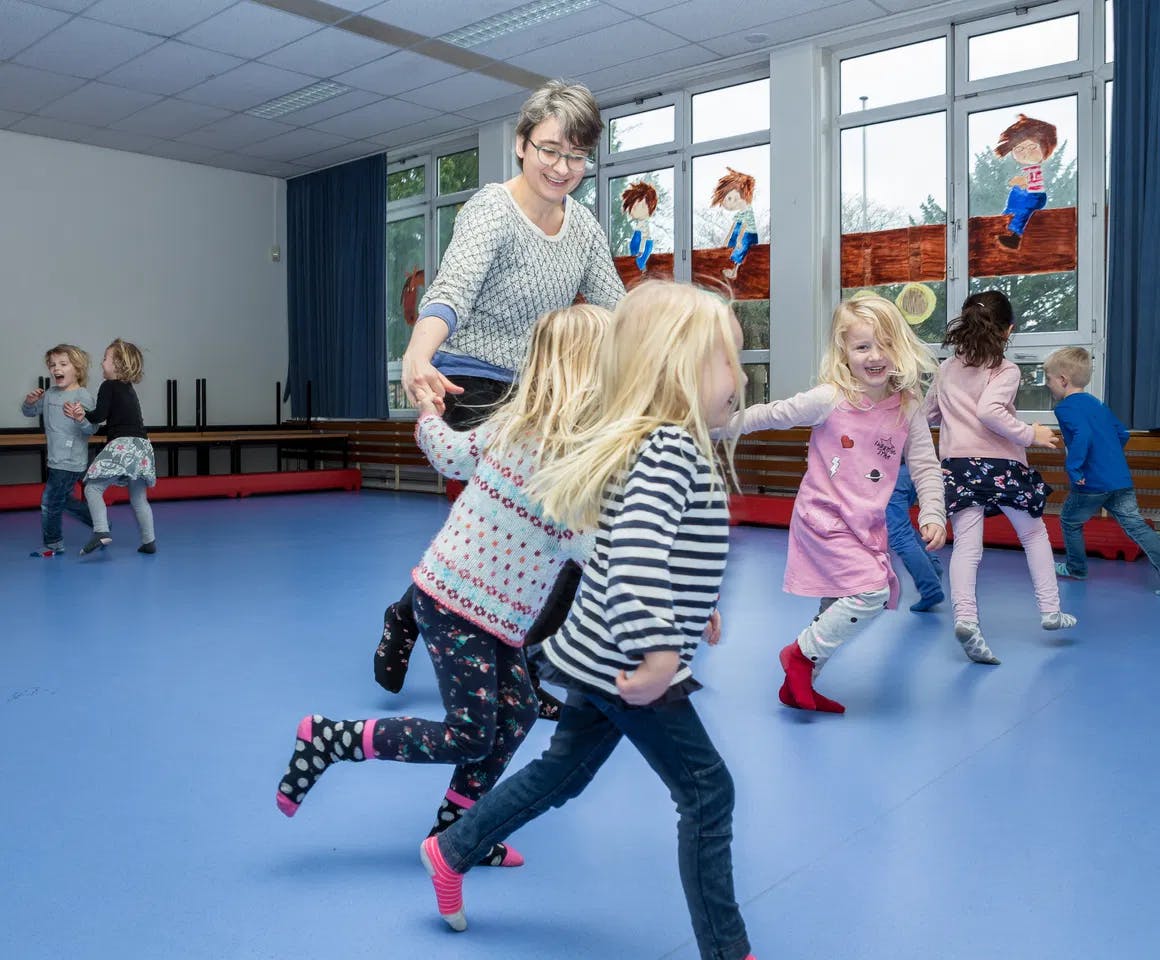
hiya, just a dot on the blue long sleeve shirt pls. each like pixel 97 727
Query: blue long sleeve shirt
pixel 1095 441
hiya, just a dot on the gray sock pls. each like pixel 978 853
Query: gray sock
pixel 967 632
pixel 1057 621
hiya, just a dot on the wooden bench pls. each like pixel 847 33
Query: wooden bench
pixel 386 453
pixel 770 465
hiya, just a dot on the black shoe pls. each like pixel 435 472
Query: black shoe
pixel 98 542
pixel 1009 240
pixel 150 547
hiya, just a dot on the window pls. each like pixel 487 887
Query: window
pixel 685 187
pixel 985 182
pixel 424 195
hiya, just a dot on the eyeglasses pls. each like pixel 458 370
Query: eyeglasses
pixel 550 156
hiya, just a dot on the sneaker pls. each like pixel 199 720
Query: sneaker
pixel 47 552
pixel 1062 570
pixel 99 541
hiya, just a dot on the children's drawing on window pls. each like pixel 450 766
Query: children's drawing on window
pixel 734 192
pixel 1028 142
pixel 639 202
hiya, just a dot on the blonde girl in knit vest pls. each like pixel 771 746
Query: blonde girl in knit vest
pixel 481 582
pixel 867 416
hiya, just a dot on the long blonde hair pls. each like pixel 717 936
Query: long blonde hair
pixel 912 363
pixel 650 371
pixel 556 395
pixel 128 361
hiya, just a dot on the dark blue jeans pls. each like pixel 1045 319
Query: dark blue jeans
pixel 1021 204
pixel 673 741
pixel 1080 507
pixel 57 500
pixel 924 568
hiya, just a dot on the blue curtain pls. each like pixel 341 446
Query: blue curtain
pixel 1133 380
pixel 336 277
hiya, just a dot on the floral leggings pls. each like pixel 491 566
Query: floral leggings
pixel 486 692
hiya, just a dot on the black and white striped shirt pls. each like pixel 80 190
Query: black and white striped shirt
pixel 655 574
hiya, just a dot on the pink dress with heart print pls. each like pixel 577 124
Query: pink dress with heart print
pixel 837 537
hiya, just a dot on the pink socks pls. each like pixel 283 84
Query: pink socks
pixel 448 884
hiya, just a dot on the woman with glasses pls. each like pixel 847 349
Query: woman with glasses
pixel 519 249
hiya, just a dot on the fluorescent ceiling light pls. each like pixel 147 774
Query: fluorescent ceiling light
pixel 307 96
pixel 530 14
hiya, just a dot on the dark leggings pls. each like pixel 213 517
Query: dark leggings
pixel 487 695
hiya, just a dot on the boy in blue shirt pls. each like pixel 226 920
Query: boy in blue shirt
pixel 1095 462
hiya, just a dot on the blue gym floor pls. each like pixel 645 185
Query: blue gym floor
pixel 956 812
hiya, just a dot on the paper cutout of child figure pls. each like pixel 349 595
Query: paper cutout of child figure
pixel 734 192
pixel 639 201
pixel 1029 142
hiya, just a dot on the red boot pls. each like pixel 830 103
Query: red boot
pixel 797 691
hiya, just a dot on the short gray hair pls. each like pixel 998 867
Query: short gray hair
pixel 570 103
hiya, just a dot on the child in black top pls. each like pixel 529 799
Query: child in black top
pixel 127 459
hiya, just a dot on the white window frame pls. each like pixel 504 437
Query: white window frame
pixel 1085 77
pixel 427 205
pixel 679 154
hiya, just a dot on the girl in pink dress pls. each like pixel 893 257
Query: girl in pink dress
pixel 867 416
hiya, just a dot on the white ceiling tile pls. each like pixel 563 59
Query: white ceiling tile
pixel 898 6
pixel 240 130
pixel 171 118
pixel 249 30
pixel 294 144
pixel 98 104
pixel 26 90
pixel 189 152
pixel 170 68
pixel 572 27
pixel 377 118
pixel 8 117
pixel 401 71
pixel 165 18
pixel 69 6
pixel 259 165
pixel 693 21
pixel 56 129
pixel 355 6
pixel 638 7
pixel 798 27
pixel 601 48
pixel 24 24
pixel 328 52
pixel 433 18
pixel 355 150
pixel 86 48
pixel 247 86
pixel 120 140
pixel 343 103
pixel 463 90
pixel 658 64
pixel 414 132
pixel 495 109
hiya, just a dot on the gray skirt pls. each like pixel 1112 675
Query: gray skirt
pixel 122 460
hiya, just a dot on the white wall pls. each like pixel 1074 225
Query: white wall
pixel 97 244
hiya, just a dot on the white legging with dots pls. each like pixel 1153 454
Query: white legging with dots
pixel 138 499
pixel 839 620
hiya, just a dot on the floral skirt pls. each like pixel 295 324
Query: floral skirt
pixel 124 459
pixel 992 484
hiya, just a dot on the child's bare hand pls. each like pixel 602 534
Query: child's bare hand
pixel 650 680
pixel 1044 436
pixel 935 535
pixel 713 629
pixel 427 402
pixel 74 409
pixel 34 396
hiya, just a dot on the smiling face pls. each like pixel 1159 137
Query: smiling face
pixel 108 367
pixel 551 183
pixel 868 360
pixel 62 371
